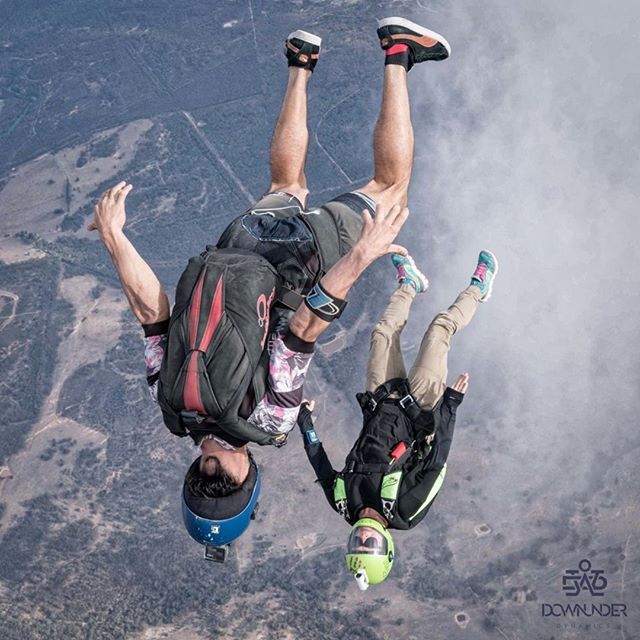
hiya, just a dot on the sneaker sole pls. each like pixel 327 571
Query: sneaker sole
pixel 403 22
pixel 495 273
pixel 305 36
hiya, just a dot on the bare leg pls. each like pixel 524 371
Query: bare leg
pixel 291 138
pixel 392 142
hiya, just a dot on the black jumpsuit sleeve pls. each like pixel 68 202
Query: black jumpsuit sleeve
pixel 325 474
pixel 444 435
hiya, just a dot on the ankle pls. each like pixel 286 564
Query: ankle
pixel 398 55
pixel 409 287
pixel 299 74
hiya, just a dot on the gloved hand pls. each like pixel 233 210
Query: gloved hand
pixel 305 422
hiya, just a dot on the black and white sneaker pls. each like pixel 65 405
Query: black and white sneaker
pixel 423 44
pixel 302 49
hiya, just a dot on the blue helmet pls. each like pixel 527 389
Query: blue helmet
pixel 216 522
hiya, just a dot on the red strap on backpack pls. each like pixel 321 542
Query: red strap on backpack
pixel 191 395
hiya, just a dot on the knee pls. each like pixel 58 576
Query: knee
pixel 387 194
pixel 443 323
pixel 384 331
pixel 426 387
pixel 296 189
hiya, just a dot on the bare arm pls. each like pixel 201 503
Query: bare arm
pixel 145 294
pixel 376 239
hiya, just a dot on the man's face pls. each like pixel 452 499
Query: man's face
pixel 367 540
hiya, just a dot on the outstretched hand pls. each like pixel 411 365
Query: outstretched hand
pixel 377 235
pixel 305 421
pixel 109 213
pixel 462 383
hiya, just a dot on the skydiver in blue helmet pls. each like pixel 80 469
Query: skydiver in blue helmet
pixel 221 488
pixel 315 255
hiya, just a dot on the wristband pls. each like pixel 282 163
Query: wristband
pixel 323 304
pixel 311 437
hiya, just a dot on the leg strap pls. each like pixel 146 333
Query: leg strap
pixel 323 304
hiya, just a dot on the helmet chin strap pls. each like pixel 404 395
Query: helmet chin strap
pixel 362 580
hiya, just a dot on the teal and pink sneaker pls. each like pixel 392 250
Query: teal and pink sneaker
pixel 485 273
pixel 409 274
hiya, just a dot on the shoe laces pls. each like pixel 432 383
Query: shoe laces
pixel 480 272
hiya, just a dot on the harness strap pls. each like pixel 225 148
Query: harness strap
pixel 289 298
pixel 389 493
pixel 367 467
pixel 340 497
pixel 370 401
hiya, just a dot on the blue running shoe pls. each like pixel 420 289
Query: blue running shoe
pixel 409 274
pixel 485 273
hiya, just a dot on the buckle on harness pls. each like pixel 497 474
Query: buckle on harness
pixel 279 440
pixel 191 420
pixel 372 405
pixel 406 401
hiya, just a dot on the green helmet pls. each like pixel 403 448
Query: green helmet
pixel 370 552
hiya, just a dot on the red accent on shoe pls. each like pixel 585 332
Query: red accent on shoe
pixel 397 48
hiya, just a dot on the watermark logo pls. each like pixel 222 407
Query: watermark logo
pixel 592 613
pixel 584 578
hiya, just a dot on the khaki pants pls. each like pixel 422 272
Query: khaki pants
pixel 428 376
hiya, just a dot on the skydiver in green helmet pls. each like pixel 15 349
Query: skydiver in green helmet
pixel 395 469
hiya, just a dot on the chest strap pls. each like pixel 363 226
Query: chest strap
pixel 389 493
pixel 340 497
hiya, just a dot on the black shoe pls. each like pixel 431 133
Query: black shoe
pixel 423 44
pixel 302 49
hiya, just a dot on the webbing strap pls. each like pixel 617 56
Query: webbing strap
pixel 289 298
pixel 191 396
pixel 370 401
pixel 389 492
pixel 340 497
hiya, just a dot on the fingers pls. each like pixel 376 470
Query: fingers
pixel 381 214
pixel 394 217
pixel 310 404
pixel 113 192
pixel 400 217
pixel 399 249
pixel 392 214
pixel 462 383
pixel 121 196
